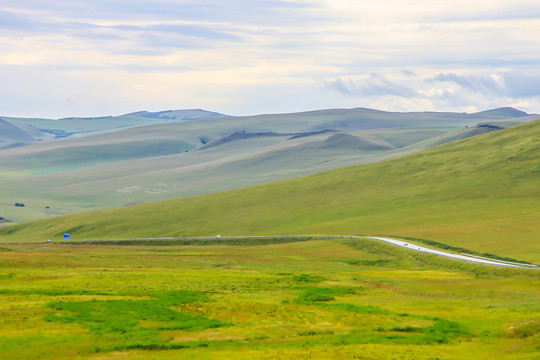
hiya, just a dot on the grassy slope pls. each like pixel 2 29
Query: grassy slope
pixel 231 165
pixel 481 193
pixel 112 170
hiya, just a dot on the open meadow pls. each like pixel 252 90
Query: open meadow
pixel 290 297
pixel 309 299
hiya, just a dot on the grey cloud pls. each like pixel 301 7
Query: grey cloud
pixel 161 35
pixel 10 21
pixel 165 41
pixel 511 12
pixel 483 84
pixel 178 36
pixel 375 85
pixel 488 89
pixel 526 60
pixel 246 11
pixel 342 86
pixel 407 73
pixel 190 30
pixel 379 85
pixel 512 84
pixel 522 85
pixel 170 35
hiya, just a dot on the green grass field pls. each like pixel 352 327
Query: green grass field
pixel 315 299
pixel 480 193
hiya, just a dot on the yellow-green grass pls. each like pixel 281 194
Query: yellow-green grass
pixel 481 193
pixel 295 300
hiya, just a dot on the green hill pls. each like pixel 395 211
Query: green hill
pixel 126 164
pixel 479 193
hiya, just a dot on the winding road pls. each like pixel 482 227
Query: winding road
pixel 464 257
pixel 404 244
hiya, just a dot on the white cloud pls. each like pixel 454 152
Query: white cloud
pixel 446 90
pixel 276 55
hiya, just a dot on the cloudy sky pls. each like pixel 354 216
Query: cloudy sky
pixel 108 57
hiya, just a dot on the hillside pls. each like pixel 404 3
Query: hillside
pixel 12 133
pixel 480 193
pixel 186 158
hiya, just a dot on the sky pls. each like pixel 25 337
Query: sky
pixel 62 58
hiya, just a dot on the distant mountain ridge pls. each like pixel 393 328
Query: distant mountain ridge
pixel 191 114
pixel 503 112
pixel 27 130
pixel 187 114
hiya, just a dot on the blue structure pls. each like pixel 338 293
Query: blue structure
pixel 66 236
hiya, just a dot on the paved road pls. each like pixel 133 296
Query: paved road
pixel 471 258
pixel 404 244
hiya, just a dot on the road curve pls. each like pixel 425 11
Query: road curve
pixel 447 254
pixel 403 244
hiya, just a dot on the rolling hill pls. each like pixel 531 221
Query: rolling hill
pixel 480 193
pixel 46 129
pixel 185 158
pixel 13 134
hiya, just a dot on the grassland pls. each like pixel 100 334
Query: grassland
pixel 143 164
pixel 480 193
pixel 318 299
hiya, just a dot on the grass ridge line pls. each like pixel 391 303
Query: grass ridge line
pixel 198 241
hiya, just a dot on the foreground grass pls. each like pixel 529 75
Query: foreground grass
pixel 481 193
pixel 308 299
